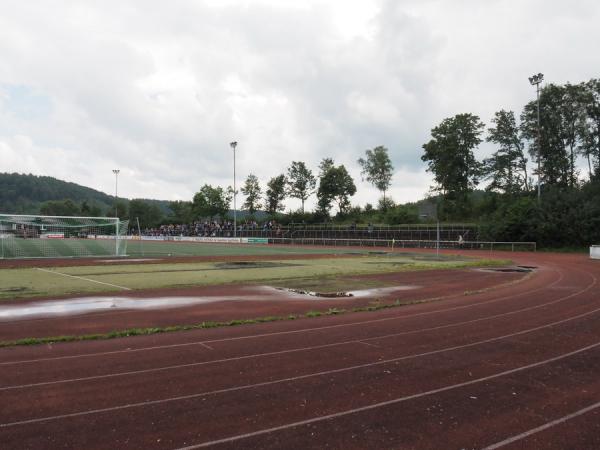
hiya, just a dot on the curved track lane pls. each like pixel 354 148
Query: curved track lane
pixel 508 367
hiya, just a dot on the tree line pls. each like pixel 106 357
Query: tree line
pixel 568 210
pixel 332 185
pixel 562 155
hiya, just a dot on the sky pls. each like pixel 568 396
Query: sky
pixel 159 89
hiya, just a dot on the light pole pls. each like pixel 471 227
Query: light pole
pixel 116 172
pixel 535 80
pixel 233 146
pixel 437 242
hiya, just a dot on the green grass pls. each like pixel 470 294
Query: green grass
pixel 31 282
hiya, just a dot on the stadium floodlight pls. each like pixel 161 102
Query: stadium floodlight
pixel 34 236
pixel 233 146
pixel 116 172
pixel 535 80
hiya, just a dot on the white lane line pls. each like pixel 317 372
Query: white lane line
pixel 280 333
pixel 206 346
pixel 317 374
pixel 312 348
pixel 368 344
pixel 386 403
pixel 528 433
pixel 82 278
pixel 317 347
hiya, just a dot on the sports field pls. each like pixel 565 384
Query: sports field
pixel 232 266
pixel 266 346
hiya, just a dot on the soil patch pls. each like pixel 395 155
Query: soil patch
pixel 252 264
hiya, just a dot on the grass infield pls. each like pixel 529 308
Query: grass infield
pixel 300 273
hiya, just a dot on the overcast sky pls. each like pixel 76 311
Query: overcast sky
pixel 158 89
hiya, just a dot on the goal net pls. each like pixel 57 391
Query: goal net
pixel 32 236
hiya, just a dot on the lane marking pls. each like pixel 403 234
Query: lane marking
pixel 327 372
pixel 333 344
pixel 279 333
pixel 367 344
pixel 314 419
pixel 528 433
pixel 82 278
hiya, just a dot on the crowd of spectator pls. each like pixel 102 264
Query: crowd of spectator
pixel 208 228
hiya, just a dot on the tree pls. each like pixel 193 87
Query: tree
pixel 301 181
pixel 449 155
pixel 275 194
pixel 325 191
pixel 252 191
pixel 90 211
pixel 335 184
pixel 119 208
pixel 377 169
pixel 562 118
pixel 60 208
pixel 181 212
pixel 590 143
pixel 148 214
pixel 507 168
pixel 211 201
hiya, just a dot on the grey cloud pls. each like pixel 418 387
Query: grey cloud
pixel 159 89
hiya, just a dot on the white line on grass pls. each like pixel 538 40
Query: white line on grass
pixel 83 278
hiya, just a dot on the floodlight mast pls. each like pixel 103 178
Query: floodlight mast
pixel 233 146
pixel 116 172
pixel 535 80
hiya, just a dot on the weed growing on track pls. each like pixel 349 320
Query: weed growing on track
pixel 203 325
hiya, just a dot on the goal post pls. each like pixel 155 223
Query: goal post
pixel 36 236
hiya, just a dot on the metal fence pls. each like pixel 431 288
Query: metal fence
pixel 408 243
pixel 411 232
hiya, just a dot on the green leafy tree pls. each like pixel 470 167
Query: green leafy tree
pixel 325 191
pixel 301 181
pixel 275 194
pixel 507 167
pixel 562 118
pixel 377 169
pixel 211 201
pixel 589 146
pixel 449 156
pixel 335 184
pixel 120 208
pixel 147 213
pixel 181 212
pixel 252 191
pixel 573 121
pixel 60 208
pixel 90 210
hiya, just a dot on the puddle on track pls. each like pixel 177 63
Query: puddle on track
pixel 83 305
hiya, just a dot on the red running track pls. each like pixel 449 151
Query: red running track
pixel 512 367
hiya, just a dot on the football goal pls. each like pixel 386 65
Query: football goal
pixel 23 236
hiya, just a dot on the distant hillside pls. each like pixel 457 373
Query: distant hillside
pixel 23 194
